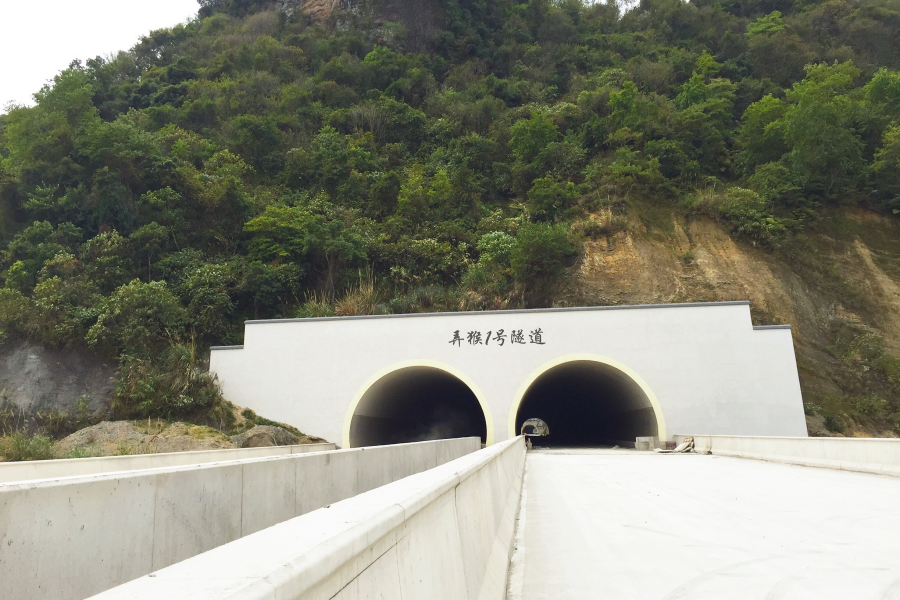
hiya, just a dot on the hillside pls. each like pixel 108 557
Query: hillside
pixel 280 158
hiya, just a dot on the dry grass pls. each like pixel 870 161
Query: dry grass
pixel 359 300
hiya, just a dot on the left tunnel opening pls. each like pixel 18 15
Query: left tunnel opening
pixel 415 404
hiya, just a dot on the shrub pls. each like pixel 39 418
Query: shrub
pixel 252 420
pixel 316 306
pixel 56 423
pixel 18 446
pixel 606 223
pixel 745 211
pixel 359 300
pixel 169 385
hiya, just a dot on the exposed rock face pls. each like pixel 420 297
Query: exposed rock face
pixel 316 10
pixel 420 18
pixel 36 378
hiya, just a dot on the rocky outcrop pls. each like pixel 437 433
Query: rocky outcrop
pixel 35 378
pixel 264 435
pixel 270 435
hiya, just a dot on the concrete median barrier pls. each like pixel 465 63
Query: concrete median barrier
pixel 446 533
pixel 866 455
pixel 72 537
pixel 70 467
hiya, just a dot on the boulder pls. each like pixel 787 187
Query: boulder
pixel 264 435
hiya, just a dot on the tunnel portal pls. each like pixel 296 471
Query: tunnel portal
pixel 588 403
pixel 414 404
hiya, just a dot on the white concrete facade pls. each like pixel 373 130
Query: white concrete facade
pixel 703 367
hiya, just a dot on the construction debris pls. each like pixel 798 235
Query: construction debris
pixel 686 446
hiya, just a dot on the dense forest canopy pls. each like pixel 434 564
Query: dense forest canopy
pixel 409 155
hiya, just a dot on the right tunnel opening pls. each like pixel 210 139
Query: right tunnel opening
pixel 588 403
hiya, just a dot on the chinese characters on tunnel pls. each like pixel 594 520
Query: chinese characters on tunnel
pixel 497 337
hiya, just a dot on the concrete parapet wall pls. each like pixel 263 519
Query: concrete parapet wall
pixel 69 467
pixel 73 537
pixel 867 455
pixel 446 533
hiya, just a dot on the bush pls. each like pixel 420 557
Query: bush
pixel 316 306
pixel 169 385
pixel 56 423
pixel 835 423
pixel 745 211
pixel 490 276
pixel 252 420
pixel 606 223
pixel 18 446
pixel 359 300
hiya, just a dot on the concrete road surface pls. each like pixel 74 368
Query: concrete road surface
pixel 621 524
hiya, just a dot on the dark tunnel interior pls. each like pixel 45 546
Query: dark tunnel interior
pixel 587 403
pixel 416 404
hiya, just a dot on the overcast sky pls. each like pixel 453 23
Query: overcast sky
pixel 39 38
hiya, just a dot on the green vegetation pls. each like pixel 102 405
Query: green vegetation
pixel 19 446
pixel 252 164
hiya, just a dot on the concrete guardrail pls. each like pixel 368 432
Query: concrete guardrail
pixel 867 455
pixel 69 467
pixel 443 534
pixel 73 537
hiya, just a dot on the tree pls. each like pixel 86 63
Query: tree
pixel 825 149
pixel 138 319
pixel 531 136
pixel 538 260
pixel 761 139
pixel 549 197
pixel 767 25
pixel 886 169
pixel 206 290
pixel 319 242
pixel 32 247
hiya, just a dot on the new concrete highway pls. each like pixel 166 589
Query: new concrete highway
pixel 621 525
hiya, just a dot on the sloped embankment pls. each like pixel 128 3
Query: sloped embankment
pixel 112 438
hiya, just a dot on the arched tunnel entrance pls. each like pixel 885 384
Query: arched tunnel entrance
pixel 588 403
pixel 414 404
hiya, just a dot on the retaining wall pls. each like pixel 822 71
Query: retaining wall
pixel 68 467
pixel 70 538
pixel 868 455
pixel 443 534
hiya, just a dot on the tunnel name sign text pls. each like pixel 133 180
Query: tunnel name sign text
pixel 498 337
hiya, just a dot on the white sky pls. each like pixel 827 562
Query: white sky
pixel 39 38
